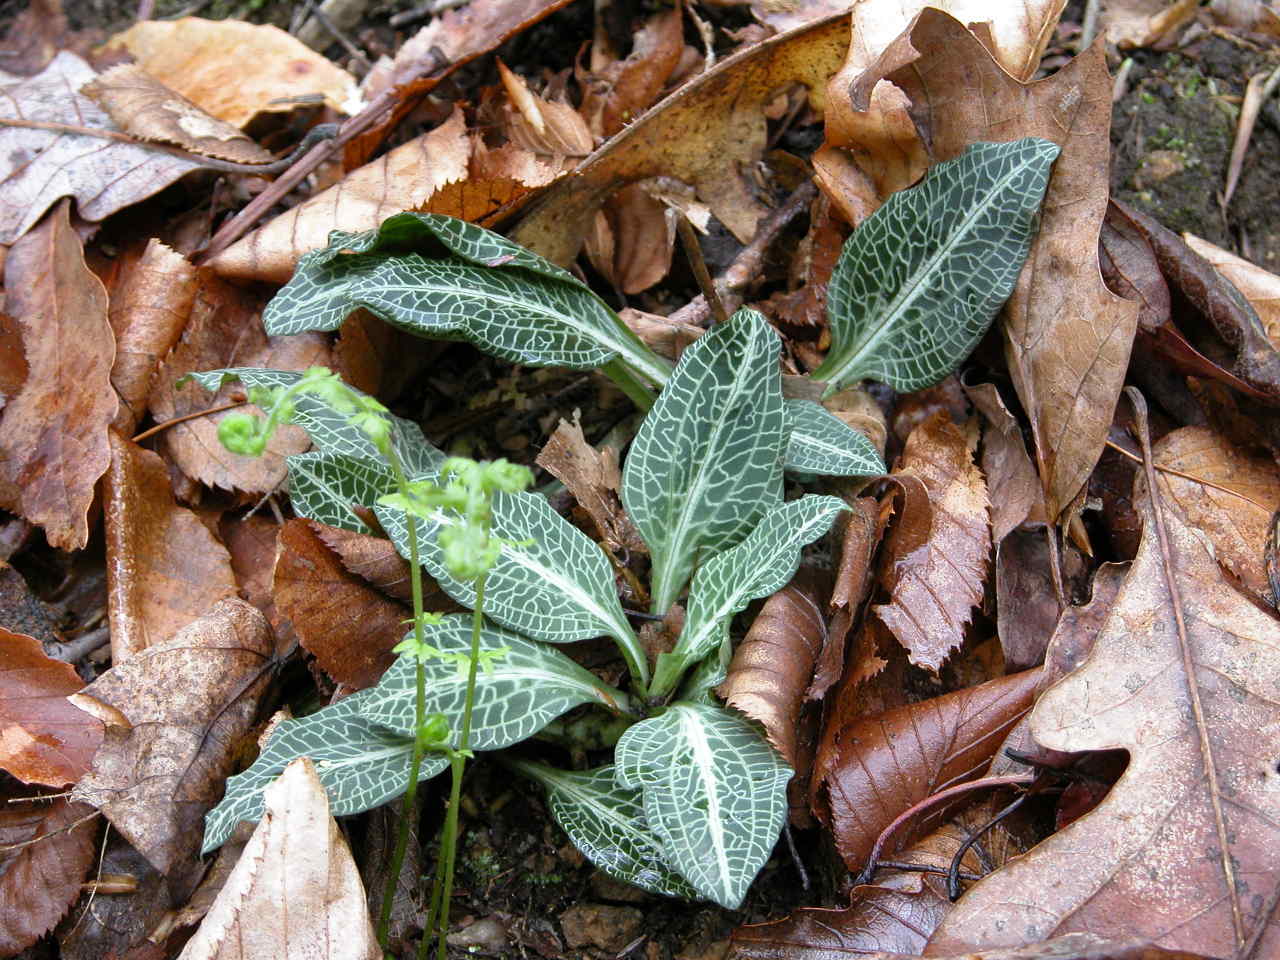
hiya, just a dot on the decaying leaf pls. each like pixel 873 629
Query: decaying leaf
pixel 593 477
pixel 235 70
pixel 1179 852
pixel 295 893
pixel 150 304
pixel 708 134
pixel 1260 287
pixel 145 108
pixel 39 167
pixel 1146 23
pixel 39 880
pixel 1012 484
pixel 53 439
pixel 406 178
pixel 1026 605
pixel 164 567
pixel 934 575
pixel 376 561
pixel 617 92
pixel 892 761
pixel 349 626
pixel 189 701
pixel 862 532
pixel 43 737
pixel 224 329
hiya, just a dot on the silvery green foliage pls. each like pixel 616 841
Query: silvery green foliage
pixel 448 279
pixel 706 463
pixel 820 443
pixel 552 582
pixel 360 765
pixel 516 695
pixel 757 567
pixel 920 280
pixel 713 792
pixel 606 822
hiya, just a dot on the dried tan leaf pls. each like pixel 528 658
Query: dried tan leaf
pixel 349 626
pixel 864 525
pixel 224 329
pixel 406 178
pixel 640 239
pixel 39 167
pixel 708 133
pixel 156 780
pixel 1068 336
pixel 53 439
pixel 234 70
pixel 295 893
pixel 145 108
pixel 1237 527
pixel 1180 853
pixel 593 477
pixel 1012 483
pixel 150 304
pixel 164 567
pixel 45 852
pixel 892 761
pixel 621 90
pixel 43 738
pixel 934 582
pixel 1145 23
pixel 1260 287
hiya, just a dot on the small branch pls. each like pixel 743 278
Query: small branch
pixel 161 427
pixel 1185 476
pixel 693 250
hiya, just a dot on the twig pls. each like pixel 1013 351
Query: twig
pixel 1259 88
pixel 1090 26
pixel 331 28
pixel 795 855
pixel 953 875
pixel 160 427
pixel 1188 663
pixel 423 11
pixel 1186 476
pixel 925 868
pixel 693 250
pixel 746 266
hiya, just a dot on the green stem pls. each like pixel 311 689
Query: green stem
pixel 420 711
pixel 624 377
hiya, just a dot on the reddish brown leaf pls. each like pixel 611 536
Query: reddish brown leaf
pixel 806 304
pixel 43 738
pixel 252 541
pixel 150 304
pixel 164 567
pixel 190 701
pixel 232 69
pixel 1012 483
pixel 224 330
pixel 1026 607
pixel 39 880
pixel 349 626
pixel 863 528
pixel 53 439
pixel 617 92
pixel 593 477
pixel 933 585
pixel 376 561
pixel 295 891
pixel 33 37
pixel 892 761
pixel 1180 853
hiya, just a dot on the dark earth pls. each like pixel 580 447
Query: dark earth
pixel 523 888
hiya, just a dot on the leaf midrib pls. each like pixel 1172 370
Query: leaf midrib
pixel 694 734
pixel 908 293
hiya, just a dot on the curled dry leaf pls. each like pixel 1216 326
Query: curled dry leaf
pixel 224 330
pixel 295 893
pixel 934 576
pixel 871 147
pixel 43 737
pixel 863 528
pixel 1026 604
pixel 1236 526
pixel 235 70
pixel 349 626
pixel 53 439
pixel 1260 287
pixel 376 561
pixel 1068 336
pixel 593 477
pixel 707 133
pixel 1146 23
pixel 164 567
pixel 1012 484
pixel 619 91
pixel 406 178
pixel 890 762
pixel 157 779
pixel 1180 852
pixel 39 167
pixel 45 852
pixel 150 304
pixel 145 108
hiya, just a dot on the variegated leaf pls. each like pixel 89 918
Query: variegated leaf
pixel 714 793
pixel 360 765
pixel 759 566
pixel 920 280
pixel 324 486
pixel 707 461
pixel 606 822
pixel 516 694
pixel 444 278
pixel 820 442
pixel 551 583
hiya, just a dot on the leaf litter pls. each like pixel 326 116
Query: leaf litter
pixel 883 671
